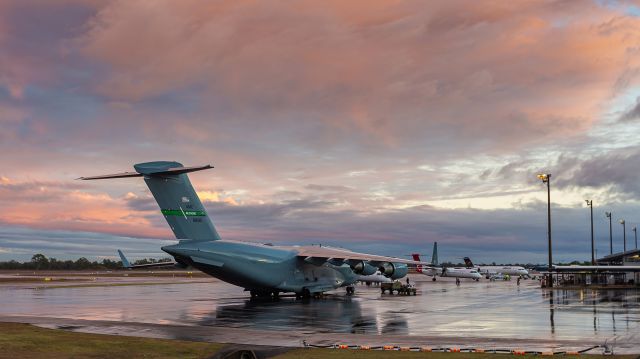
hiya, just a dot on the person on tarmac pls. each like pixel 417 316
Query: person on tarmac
pixel 457 281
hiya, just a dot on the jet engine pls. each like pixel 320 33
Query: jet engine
pixel 362 268
pixel 400 271
pixel 393 270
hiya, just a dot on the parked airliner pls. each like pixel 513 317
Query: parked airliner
pixel 489 271
pixel 435 271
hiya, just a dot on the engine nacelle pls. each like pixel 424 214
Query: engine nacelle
pixel 400 271
pixel 362 268
pixel 387 269
pixel 393 270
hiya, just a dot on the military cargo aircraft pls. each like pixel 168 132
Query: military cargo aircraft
pixel 262 269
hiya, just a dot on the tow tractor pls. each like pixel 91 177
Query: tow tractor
pixel 397 286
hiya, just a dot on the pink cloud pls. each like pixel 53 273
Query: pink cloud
pixel 63 205
pixel 516 73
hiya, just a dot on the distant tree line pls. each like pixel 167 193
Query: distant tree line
pixel 41 262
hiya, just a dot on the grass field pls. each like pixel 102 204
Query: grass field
pixel 27 341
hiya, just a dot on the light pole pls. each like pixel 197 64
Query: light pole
pixel 608 215
pixel 546 178
pixel 624 236
pixel 593 256
pixel 635 234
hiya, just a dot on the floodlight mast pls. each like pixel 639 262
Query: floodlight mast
pixel 624 235
pixel 608 215
pixel 593 256
pixel 546 178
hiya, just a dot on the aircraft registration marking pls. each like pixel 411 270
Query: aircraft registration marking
pixel 180 212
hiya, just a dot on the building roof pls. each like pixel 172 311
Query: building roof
pixel 617 257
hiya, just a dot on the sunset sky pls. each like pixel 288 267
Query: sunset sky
pixel 380 126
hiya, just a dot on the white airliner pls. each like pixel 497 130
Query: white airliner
pixel 489 271
pixel 453 272
pixel 377 277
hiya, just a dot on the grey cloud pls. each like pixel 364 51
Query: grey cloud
pixel 23 242
pixel 35 191
pixel 617 168
pixel 142 203
pixel 632 114
pixel 489 235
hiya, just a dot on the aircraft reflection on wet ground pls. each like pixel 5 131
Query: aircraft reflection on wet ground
pixel 484 309
pixel 334 314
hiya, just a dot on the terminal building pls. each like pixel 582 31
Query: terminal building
pixel 609 271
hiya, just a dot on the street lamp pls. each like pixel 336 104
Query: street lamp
pixel 624 236
pixel 635 234
pixel 608 215
pixel 593 257
pixel 546 178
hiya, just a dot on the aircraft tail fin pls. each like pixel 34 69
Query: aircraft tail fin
pixel 416 257
pixel 468 262
pixel 434 256
pixel 178 201
pixel 125 261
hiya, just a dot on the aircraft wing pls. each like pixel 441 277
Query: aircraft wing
pixel 337 254
pixel 126 264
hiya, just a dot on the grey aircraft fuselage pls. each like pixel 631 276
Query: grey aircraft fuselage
pixel 260 267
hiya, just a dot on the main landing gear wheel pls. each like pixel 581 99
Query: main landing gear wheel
pixel 350 290
pixel 306 293
pixel 257 294
pixel 434 279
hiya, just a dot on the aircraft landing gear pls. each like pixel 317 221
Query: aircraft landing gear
pixel 264 294
pixel 306 294
pixel 350 290
pixel 433 279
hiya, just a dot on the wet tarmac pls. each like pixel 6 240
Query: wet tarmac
pixel 475 313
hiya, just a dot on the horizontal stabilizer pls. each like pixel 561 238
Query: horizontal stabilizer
pixel 149 169
pixel 159 169
pixel 127 265
pixel 115 175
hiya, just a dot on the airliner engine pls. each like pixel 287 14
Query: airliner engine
pixel 400 271
pixel 362 268
pixel 393 270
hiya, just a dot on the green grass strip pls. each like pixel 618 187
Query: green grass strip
pixel 26 341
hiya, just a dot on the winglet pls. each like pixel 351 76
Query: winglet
pixel 125 261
